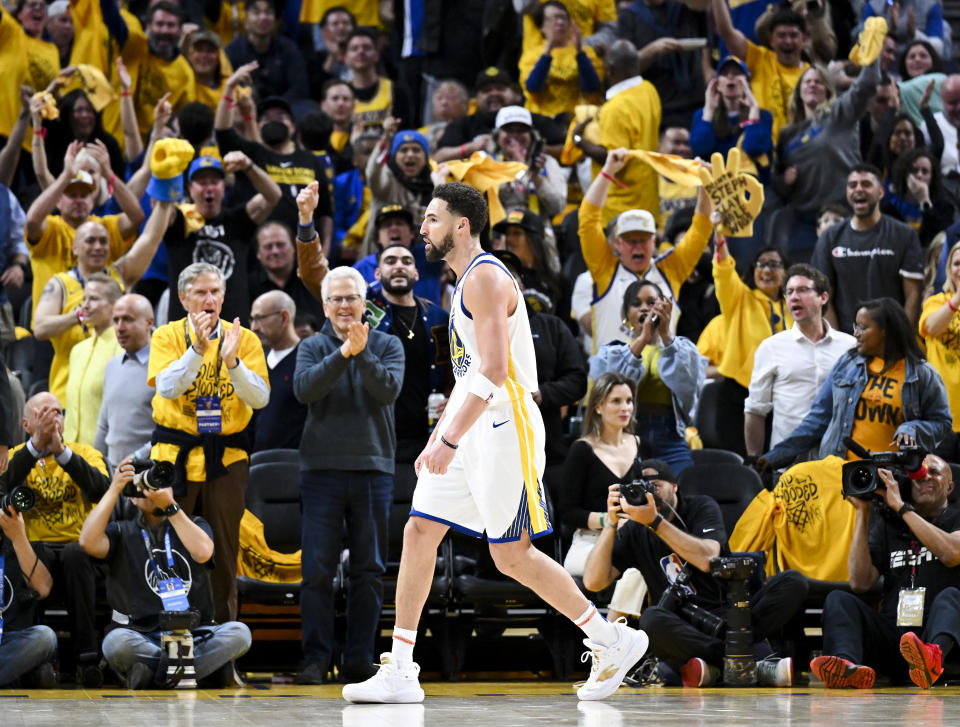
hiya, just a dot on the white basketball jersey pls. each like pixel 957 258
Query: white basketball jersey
pixel 465 356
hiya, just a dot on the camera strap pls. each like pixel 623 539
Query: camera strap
pixel 171 590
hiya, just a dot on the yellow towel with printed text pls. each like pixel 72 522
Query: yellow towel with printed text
pixel 256 559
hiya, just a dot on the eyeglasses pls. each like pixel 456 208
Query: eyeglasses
pixel 768 265
pixel 340 299
pixel 261 319
pixel 799 290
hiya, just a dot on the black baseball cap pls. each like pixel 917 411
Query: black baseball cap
pixel 522 218
pixel 491 75
pixel 664 470
pixel 274 102
pixel 393 210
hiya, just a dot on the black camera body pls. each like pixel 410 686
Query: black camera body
pixel 21 498
pixel 179 620
pixel 732 567
pixel 635 492
pixel 860 478
pixel 677 599
pixel 150 475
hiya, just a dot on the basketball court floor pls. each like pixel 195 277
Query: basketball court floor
pixel 480 704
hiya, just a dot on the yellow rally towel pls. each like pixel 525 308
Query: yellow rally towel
pixel 805 520
pixel 96 85
pixel 677 169
pixel 257 560
pixel 870 42
pixel 192 220
pixel 486 174
pixel 50 110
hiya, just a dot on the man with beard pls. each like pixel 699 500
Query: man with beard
pixel 672 533
pixel 290 166
pixel 468 134
pixel 482 465
pixel 279 424
pixel 394 225
pixel 420 325
pixel 872 254
pixel 205 232
pixel 154 60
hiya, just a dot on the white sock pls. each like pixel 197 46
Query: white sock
pixel 403 642
pixel 596 627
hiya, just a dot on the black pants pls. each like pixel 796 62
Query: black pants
pixel 75 575
pixel 675 641
pixel 855 631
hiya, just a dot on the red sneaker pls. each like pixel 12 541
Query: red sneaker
pixel 837 673
pixel 697 673
pixel 925 660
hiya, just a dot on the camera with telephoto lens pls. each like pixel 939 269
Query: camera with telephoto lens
pixel 635 492
pixel 677 599
pixel 21 498
pixel 176 669
pixel 739 662
pixel 860 478
pixel 149 475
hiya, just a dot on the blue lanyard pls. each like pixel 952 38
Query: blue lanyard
pixel 3 564
pixel 153 563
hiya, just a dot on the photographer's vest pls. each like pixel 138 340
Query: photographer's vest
pixel 71 285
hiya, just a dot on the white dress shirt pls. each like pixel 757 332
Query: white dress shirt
pixel 788 370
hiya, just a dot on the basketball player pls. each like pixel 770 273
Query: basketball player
pixel 480 470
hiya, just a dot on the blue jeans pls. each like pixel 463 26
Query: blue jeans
pixel 26 649
pixel 660 433
pixel 123 648
pixel 330 498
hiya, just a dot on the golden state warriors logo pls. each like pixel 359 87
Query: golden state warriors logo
pixel 459 358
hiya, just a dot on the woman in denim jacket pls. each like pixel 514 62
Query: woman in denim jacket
pixel 669 370
pixel 884 335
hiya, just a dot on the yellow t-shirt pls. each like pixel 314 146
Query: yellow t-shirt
pixel 562 92
pixel 880 409
pixel 230 24
pixel 153 77
pixel 88 360
pixel 167 345
pixel 53 252
pixel 64 343
pixel 44 61
pixel 943 353
pixel 674 197
pixel 585 13
pixel 373 112
pixel 23 62
pixel 772 83
pixel 365 12
pixel 749 317
pixel 210 96
pixel 710 343
pixel 61 507
pixel 631 119
pixel 651 389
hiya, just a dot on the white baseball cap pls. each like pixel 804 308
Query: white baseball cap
pixel 513 115
pixel 635 221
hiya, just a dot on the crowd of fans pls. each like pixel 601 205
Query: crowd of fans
pixel 312 135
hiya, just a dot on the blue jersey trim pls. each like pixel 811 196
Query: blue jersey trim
pixel 458 528
pixel 477 261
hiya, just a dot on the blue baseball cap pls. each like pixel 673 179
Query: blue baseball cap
pixel 733 59
pixel 205 162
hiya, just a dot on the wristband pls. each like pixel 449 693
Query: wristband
pixel 907 507
pixel 482 387
pixel 655 523
pixel 613 179
pixel 306 233
pixel 952 306
pixel 452 446
pixel 230 102
pixel 612 524
pixel 463 150
pixel 42 133
pixel 720 241
pixel 748 122
pixel 79 317
pixel 125 94
pixel 601 520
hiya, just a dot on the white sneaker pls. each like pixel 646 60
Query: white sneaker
pixel 773 672
pixel 388 686
pixel 611 663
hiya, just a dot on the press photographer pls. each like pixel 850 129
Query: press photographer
pixel 159 563
pixel 912 539
pixel 670 535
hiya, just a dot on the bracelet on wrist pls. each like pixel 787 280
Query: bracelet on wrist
pixel 951 306
pixel 125 94
pixel 611 178
pixel 41 132
pixel 463 150
pixel 444 440
pixel 601 520
pixel 907 507
pixel 655 523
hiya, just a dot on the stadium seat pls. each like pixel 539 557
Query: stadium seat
pixel 708 455
pixel 276 455
pixel 733 486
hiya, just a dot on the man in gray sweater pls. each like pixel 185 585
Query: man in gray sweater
pixel 349 377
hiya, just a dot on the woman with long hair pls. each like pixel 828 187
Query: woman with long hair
pixel 668 369
pixel 79 121
pixel 883 394
pixel 753 308
pixel 940 328
pixel 819 147
pixel 918 197
pixel 606 453
pixel 732 117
